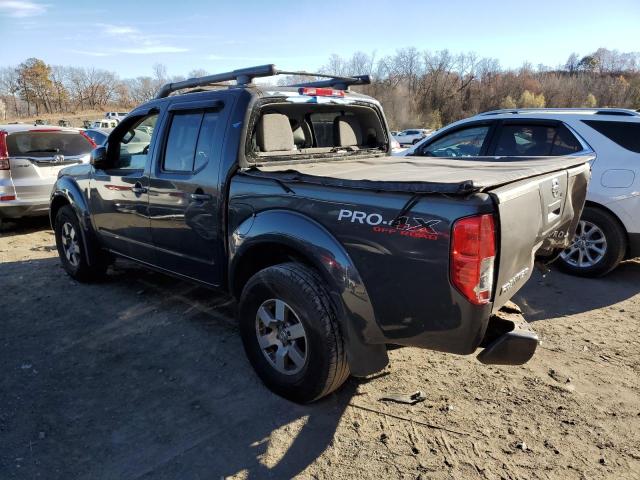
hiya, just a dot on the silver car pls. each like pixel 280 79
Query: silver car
pixel 30 159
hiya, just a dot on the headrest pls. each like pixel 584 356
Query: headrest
pixel 346 131
pixel 274 133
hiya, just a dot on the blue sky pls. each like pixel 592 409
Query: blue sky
pixel 128 37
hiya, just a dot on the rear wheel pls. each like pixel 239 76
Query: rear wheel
pixel 598 247
pixel 290 333
pixel 71 247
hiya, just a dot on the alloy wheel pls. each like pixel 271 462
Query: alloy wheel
pixel 588 248
pixel 70 244
pixel 281 336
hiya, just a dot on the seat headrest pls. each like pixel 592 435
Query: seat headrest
pixel 273 133
pixel 346 132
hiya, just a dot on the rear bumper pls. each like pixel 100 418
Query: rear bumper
pixel 24 208
pixel 509 340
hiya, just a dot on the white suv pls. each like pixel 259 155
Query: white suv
pixel 411 136
pixel 609 229
pixel 118 116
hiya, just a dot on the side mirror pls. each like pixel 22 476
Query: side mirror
pixel 98 157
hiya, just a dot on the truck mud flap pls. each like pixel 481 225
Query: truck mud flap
pixel 509 340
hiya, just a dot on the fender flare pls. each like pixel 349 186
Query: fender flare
pixel 67 192
pixel 364 341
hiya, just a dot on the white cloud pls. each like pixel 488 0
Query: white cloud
pixel 119 30
pixel 92 53
pixel 136 42
pixel 148 49
pixel 21 8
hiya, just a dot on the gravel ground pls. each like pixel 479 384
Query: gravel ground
pixel 143 376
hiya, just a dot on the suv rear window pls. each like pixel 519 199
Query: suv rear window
pixel 625 134
pixel 47 144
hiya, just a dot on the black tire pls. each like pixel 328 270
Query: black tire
pixel 76 265
pixel 303 291
pixel 415 141
pixel 616 245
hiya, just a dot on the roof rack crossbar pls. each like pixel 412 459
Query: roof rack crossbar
pixel 334 81
pixel 244 76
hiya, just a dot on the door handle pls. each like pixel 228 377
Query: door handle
pixel 138 189
pixel 200 197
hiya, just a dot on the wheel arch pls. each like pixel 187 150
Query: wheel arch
pixel 616 218
pixel 277 236
pixel 67 192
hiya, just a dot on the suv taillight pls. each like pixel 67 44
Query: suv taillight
pixel 4 152
pixel 473 252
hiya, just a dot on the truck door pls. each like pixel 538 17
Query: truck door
pixel 119 194
pixel 184 196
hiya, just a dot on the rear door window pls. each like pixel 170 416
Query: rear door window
pixel 534 140
pixel 625 134
pixel 181 142
pixel 47 144
pixel 465 142
pixel 190 141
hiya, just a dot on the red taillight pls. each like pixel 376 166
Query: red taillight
pixel 473 252
pixel 6 198
pixel 321 92
pixel 4 152
pixel 89 139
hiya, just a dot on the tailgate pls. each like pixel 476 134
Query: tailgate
pixel 536 216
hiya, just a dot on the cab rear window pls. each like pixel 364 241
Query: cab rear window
pixel 625 134
pixel 47 144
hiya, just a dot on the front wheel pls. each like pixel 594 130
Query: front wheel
pixel 290 333
pixel 71 247
pixel 598 247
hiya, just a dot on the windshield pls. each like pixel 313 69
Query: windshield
pixel 47 144
pixel 285 131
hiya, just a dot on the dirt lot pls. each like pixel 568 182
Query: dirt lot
pixel 143 376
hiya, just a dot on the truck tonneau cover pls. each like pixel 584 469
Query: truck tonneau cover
pixel 420 174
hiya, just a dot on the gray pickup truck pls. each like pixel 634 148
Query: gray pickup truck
pixel 287 198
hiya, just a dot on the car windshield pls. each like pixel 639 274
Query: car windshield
pixel 47 144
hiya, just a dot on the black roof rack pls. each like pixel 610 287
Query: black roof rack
pixel 339 83
pixel 244 76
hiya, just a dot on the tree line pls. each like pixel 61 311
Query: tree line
pixel 417 88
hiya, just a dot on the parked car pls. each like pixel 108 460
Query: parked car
pixel 104 123
pixel 288 199
pixel 30 159
pixel 98 135
pixel 118 116
pixel 609 230
pixel 64 123
pixel 411 136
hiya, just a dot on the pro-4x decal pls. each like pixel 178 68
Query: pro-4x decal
pixel 415 227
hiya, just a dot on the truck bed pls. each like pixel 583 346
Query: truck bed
pixel 422 174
